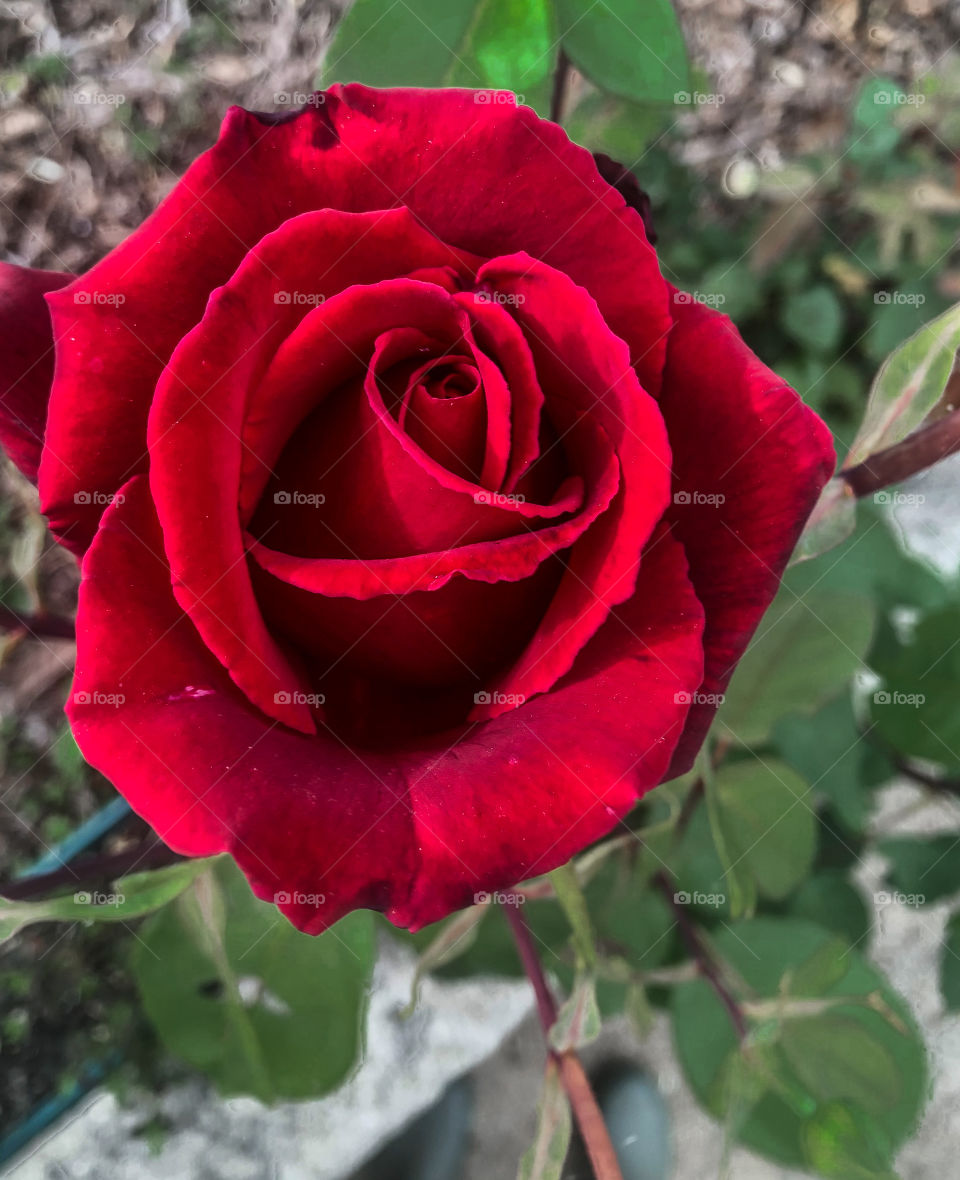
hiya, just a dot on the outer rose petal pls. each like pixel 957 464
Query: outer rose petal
pixel 27 361
pixel 415 834
pixel 476 175
pixel 739 432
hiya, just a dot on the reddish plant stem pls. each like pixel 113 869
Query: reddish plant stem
pixel 91 871
pixel 593 1129
pixel 701 954
pixel 916 452
pixel 44 625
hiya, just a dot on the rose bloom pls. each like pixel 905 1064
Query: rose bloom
pixel 422 522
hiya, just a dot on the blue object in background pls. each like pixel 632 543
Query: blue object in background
pixel 637 1119
pixel 89 832
pixel 44 1115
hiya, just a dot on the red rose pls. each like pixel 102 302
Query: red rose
pixel 421 520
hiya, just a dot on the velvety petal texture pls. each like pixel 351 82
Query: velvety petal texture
pixel 749 464
pixel 416 834
pixel 27 368
pixel 356 150
pixel 420 522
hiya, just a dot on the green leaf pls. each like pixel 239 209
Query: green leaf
pixel 835 758
pixel 814 318
pixel 484 44
pixel 833 519
pixel 950 965
pixel 838 1059
pixel 454 938
pixel 639 1010
pixel 832 902
pixel 633 48
pixel 876 565
pixel 578 1021
pixel 915 710
pixel 844 1144
pixel 574 905
pixel 131 897
pixel 923 870
pixel 816 975
pixel 910 383
pixel 761 952
pixel 702 881
pixel 874 134
pixel 739 880
pixel 803 652
pixel 491 949
pixel 764 812
pixel 622 129
pixel 544 1159
pixel 237 992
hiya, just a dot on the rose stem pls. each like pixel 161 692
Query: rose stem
pixel 90 871
pixel 916 452
pixel 698 950
pixel 572 1074
pixel 561 78
pixel 39 624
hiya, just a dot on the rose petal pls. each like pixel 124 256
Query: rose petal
pixel 414 834
pixel 541 782
pixel 738 432
pixel 476 175
pixel 27 361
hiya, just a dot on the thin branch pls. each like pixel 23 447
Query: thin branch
pixel 916 452
pixel 701 953
pixel 949 786
pixel 90 871
pixel 561 80
pixel 589 1118
pixel 41 624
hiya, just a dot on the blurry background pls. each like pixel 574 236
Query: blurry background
pixel 804 179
